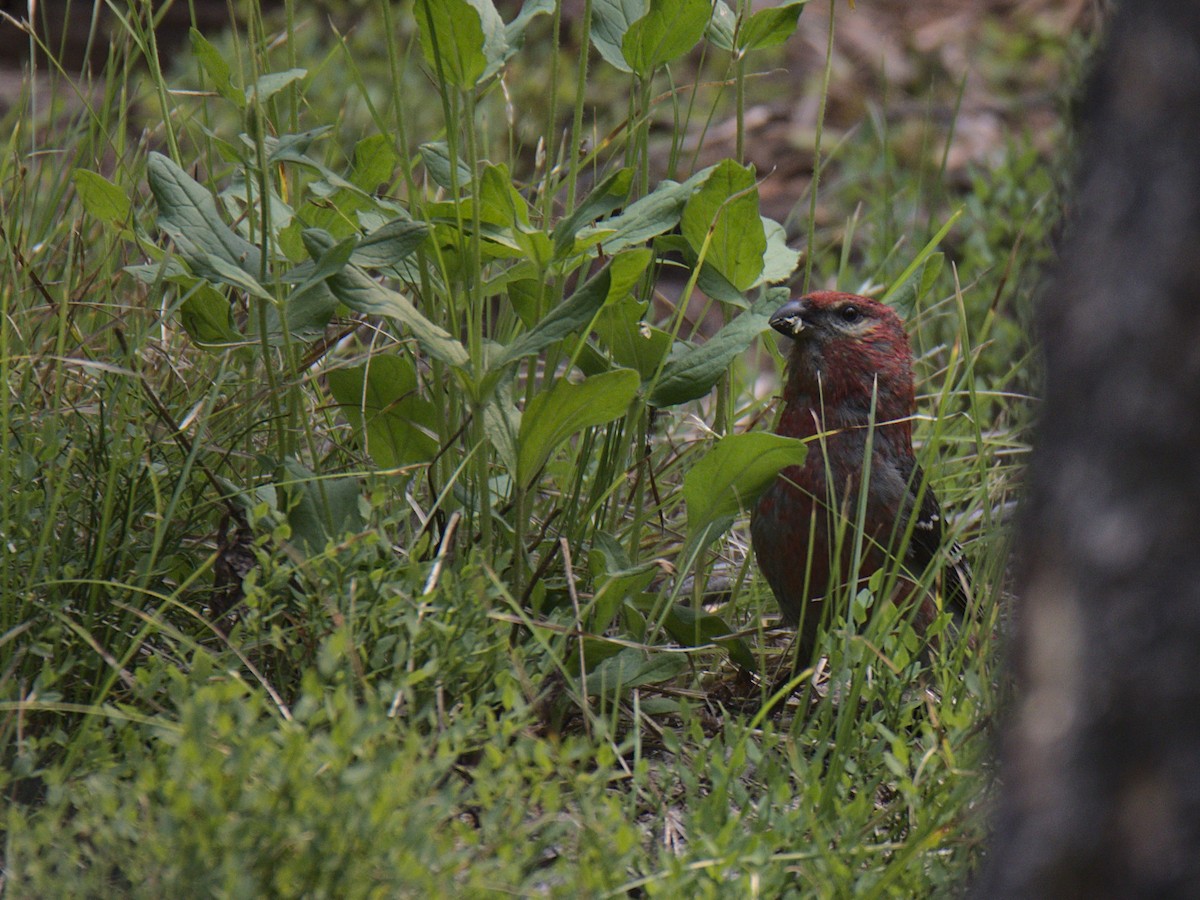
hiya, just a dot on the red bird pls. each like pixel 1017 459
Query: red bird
pixel 849 388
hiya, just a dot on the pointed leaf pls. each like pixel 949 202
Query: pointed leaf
pixel 101 198
pixel 770 27
pixel 360 292
pixel 567 408
pixel 576 312
pixel 632 668
pixel 694 628
pixel 216 67
pixel 611 20
pixel 188 214
pixel 608 195
pixel 652 215
pixel 668 30
pixel 463 40
pixel 692 374
pixel 727 206
pixel 735 473
pixel 383 402
pixel 436 157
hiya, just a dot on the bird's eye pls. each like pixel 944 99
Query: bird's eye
pixel 851 314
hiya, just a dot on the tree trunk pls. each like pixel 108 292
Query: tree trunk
pixel 1100 777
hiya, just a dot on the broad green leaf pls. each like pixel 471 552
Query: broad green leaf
pixel 770 27
pixel 565 409
pixel 611 20
pixel 294 147
pixel 765 28
pixel 267 86
pixel 779 260
pixel 735 473
pixel 216 68
pixel 188 214
pixel 668 30
pixel 360 292
pixel 616 580
pixel 217 269
pixel 632 668
pixel 691 374
pixel 633 343
pixel 308 312
pixel 502 421
pixel 695 628
pixel 514 31
pixel 436 157
pixel 374 162
pixel 578 310
pixel 608 195
pixel 463 40
pixel 383 402
pixel 722 25
pixel 652 215
pixel 207 317
pixel 319 509
pixel 101 198
pixel 499 201
pixel 389 244
pixel 727 206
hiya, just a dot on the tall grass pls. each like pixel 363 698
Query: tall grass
pixel 348 539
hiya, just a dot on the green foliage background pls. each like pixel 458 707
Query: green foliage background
pixel 378 426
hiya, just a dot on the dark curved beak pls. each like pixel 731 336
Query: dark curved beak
pixel 788 320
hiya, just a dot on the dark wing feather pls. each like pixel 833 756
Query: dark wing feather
pixel 927 545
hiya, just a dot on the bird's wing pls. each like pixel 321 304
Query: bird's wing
pixel 927 544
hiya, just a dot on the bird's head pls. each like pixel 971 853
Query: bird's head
pixel 846 343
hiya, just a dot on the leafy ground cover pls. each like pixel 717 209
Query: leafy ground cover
pixel 381 405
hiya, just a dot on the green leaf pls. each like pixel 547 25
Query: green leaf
pixel 722 25
pixel 669 29
pixel 727 207
pixel 616 580
pixel 383 402
pixel 374 162
pixel 567 408
pixel 735 473
pixel 577 311
pixel 632 668
pixel 692 373
pixel 319 509
pixel 267 86
pixel 770 27
pixel 436 157
pixel 611 20
pixel 633 343
pixel 502 422
pixel 695 628
pixel 207 317
pixel 463 40
pixel 499 201
pixel 609 194
pixel 216 68
pixel 779 260
pixel 389 244
pixel 101 198
pixel 765 28
pixel 360 292
pixel 652 215
pixel 188 214
pixel 514 31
